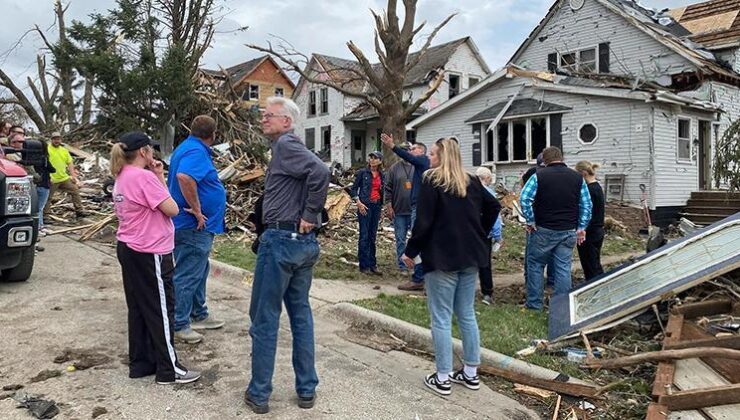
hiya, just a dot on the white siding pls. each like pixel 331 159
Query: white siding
pixel 633 52
pixel 623 145
pixel 339 148
pixel 731 56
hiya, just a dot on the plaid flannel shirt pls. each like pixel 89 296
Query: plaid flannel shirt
pixel 526 197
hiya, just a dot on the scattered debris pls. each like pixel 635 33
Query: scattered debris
pixel 83 359
pixel 40 408
pixel 534 391
pixel 558 385
pixel 12 387
pixel 46 374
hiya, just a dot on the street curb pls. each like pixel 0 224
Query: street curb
pixel 221 270
pixel 422 338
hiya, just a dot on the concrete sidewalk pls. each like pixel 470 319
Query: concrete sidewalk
pixel 74 301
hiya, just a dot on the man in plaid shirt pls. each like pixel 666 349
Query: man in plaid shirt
pixel 557 206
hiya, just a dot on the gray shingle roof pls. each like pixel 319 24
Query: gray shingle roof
pixel 517 108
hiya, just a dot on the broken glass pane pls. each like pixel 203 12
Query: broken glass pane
pixel 519 140
pixel 684 149
pixel 652 274
pixel 539 136
pixel 502 143
pixel 568 62
pixel 587 60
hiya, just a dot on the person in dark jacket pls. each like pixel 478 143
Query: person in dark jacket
pixel 454 216
pixel 43 186
pixel 367 191
pixel 589 252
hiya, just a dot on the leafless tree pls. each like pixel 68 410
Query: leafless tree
pixel 383 83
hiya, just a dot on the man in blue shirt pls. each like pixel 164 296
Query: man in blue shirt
pixel 417 156
pixel 557 205
pixel 193 183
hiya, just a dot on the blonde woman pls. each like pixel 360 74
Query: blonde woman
pixel 146 238
pixel 453 218
pixel 589 252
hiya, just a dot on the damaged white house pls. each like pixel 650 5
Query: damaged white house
pixel 345 129
pixel 644 93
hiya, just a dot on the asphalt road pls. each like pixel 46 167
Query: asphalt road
pixel 73 310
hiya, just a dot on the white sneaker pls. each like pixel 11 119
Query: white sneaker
pixel 189 336
pixel 207 324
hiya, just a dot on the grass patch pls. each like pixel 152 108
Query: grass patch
pixel 504 328
pixel 234 253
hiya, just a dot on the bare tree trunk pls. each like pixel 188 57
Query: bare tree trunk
pixel 66 76
pixel 23 101
pixel 87 100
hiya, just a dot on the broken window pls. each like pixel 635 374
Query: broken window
pixel 583 61
pixel 312 103
pixel 569 62
pixel 489 146
pixel 472 81
pixel 311 138
pixel 279 92
pixel 324 100
pixel 502 142
pixel 326 138
pixel 684 139
pixel 454 85
pixel 411 136
pixel 588 133
pixel 519 140
pixel 539 136
pixel 587 61
pixel 254 92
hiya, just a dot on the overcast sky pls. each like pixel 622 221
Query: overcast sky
pixel 322 26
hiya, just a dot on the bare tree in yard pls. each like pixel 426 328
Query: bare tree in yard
pixel 384 83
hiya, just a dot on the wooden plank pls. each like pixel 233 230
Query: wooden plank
pixel 724 342
pixel 656 411
pixel 693 374
pixel 700 398
pixel 729 369
pixel 576 390
pixel 662 356
pixel 706 308
pixel 664 374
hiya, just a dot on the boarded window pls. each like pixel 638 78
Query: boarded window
pixel 489 146
pixel 539 136
pixel 279 92
pixel 324 100
pixel 311 138
pixel 254 92
pixel 588 133
pixel 312 103
pixel 502 142
pixel 684 139
pixel 326 138
pixel 454 85
pixel 519 140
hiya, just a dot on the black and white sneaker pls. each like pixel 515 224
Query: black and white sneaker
pixel 186 378
pixel 440 387
pixel 461 378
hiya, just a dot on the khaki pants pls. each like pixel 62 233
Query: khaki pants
pixel 69 187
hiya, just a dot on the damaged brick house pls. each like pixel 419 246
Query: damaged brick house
pixel 646 94
pixel 256 80
pixel 345 129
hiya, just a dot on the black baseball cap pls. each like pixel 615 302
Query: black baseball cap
pixel 135 140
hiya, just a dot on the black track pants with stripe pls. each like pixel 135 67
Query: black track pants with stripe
pixel 150 297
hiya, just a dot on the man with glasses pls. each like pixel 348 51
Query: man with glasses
pixel 296 186
pixel 416 156
pixel 193 183
pixel 65 177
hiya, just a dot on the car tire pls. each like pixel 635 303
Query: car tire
pixel 23 270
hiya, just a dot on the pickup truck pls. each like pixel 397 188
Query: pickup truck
pixel 18 211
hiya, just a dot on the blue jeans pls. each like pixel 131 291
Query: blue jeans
pixel 368 236
pixel 550 275
pixel 401 226
pixel 451 292
pixel 192 248
pixel 418 276
pixel 43 197
pixel 283 274
pixel 551 247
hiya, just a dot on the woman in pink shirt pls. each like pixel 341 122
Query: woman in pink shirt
pixel 146 238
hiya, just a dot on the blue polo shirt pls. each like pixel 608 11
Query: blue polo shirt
pixel 193 158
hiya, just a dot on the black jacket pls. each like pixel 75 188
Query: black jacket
pixel 451 233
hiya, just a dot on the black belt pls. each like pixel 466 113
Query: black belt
pixel 287 226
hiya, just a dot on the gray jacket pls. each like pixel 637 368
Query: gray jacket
pixel 297 183
pixel 398 181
